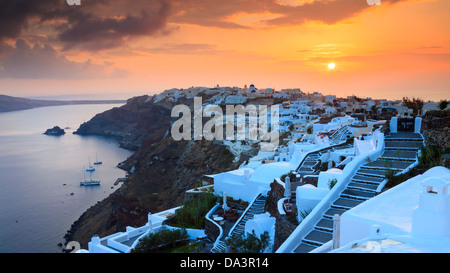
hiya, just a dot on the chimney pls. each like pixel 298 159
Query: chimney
pixel 432 216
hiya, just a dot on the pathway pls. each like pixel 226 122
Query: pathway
pixel 401 151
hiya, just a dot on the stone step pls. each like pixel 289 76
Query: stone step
pixel 304 248
pixel 357 194
pixel 318 237
pixel 368 179
pixel 362 186
pixel 388 164
pixel 400 154
pixel 309 163
pixel 404 135
pixel 413 145
pixel 366 182
pixel 325 224
pixel 332 211
pixel 372 172
pixel 346 203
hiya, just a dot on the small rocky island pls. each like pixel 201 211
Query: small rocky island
pixel 55 131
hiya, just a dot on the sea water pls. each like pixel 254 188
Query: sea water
pixel 40 192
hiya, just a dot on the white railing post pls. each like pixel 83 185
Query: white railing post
pixel 336 231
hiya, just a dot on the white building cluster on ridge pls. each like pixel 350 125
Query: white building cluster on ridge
pixel 397 220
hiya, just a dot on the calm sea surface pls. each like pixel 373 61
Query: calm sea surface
pixel 40 193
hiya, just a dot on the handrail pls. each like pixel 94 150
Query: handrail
pixel 207 217
pixel 310 221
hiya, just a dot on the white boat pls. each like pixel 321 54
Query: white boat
pixel 90 168
pixel 89 182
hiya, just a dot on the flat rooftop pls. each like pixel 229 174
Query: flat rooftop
pixel 393 211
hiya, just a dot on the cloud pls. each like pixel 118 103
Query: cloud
pixel 217 13
pixel 15 15
pixel 95 25
pixel 186 48
pixel 108 24
pixel 88 31
pixel 37 61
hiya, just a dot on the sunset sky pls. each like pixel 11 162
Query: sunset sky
pixel 399 48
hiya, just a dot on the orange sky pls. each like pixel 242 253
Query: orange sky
pixel 386 51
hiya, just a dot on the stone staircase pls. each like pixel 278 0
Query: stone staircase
pixel 337 136
pixel 257 207
pixel 221 247
pixel 311 163
pixel 401 151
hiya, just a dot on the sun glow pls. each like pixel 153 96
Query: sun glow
pixel 331 66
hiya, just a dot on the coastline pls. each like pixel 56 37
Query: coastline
pixel 100 204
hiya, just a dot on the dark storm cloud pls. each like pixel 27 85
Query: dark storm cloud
pixel 93 33
pixel 28 61
pixel 14 15
pixel 33 31
pixel 95 25
pixel 106 24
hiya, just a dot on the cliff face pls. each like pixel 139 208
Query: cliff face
pixel 163 168
pixel 137 120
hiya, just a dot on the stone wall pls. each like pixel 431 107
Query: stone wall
pixel 436 130
pixel 283 228
pixel 211 230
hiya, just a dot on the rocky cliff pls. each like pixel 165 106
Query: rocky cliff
pixel 137 120
pixel 161 169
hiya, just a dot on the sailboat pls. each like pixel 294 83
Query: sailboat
pixel 96 161
pixel 89 182
pixel 90 169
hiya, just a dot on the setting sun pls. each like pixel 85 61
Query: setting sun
pixel 331 66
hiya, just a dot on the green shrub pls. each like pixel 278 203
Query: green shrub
pixel 331 183
pixel 305 213
pixel 350 140
pixel 430 156
pixel 193 211
pixel 165 238
pixel 249 244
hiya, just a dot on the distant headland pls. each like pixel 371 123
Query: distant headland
pixel 8 103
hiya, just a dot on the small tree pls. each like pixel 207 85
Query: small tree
pixel 374 109
pixel 443 104
pixel 415 104
pixel 249 244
